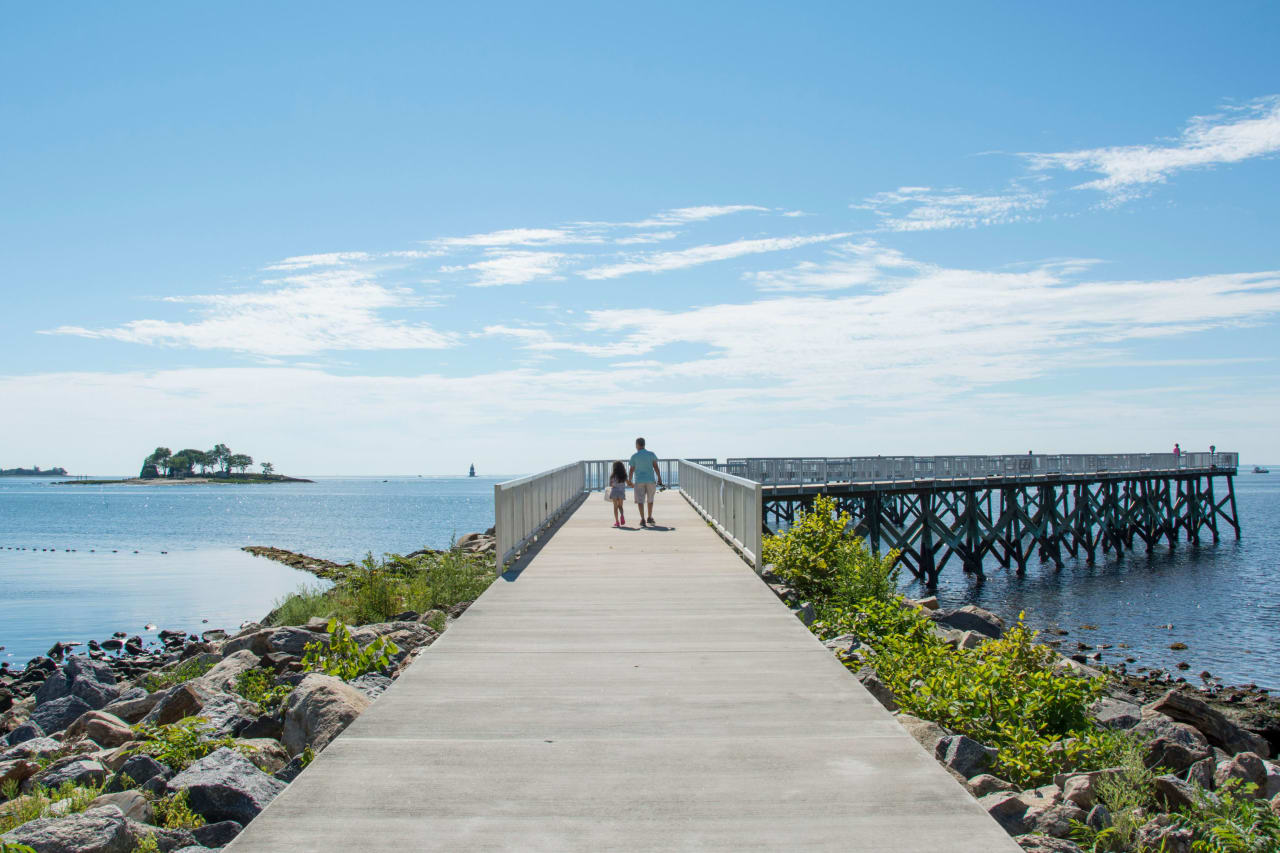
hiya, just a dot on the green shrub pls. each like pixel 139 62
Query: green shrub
pixel 341 656
pixel 180 674
pixel 147 844
pixel 12 847
pixel 173 812
pixel 178 744
pixel 258 685
pixel 824 562
pixel 1231 820
pixel 308 601
pixel 36 803
pixel 1129 795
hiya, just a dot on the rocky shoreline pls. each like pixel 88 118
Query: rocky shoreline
pixel 1209 742
pixel 176 746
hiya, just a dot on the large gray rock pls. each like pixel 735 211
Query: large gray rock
pixel 22 733
pixel 99 830
pixel 1174 793
pixel 926 732
pixel 1164 834
pixel 75 769
pixel 877 688
pixel 1116 713
pixel 93 681
pixel 132 708
pixel 984 783
pixel 106 730
pixel 1246 767
pixel 290 641
pixel 56 714
pixel 34 749
pixel 167 840
pixel 258 642
pixel 1201 773
pixel 371 684
pixel 134 805
pixel 964 755
pixel 970 618
pixel 137 770
pixel 1220 731
pixel 225 785
pixel 179 701
pixel 222 677
pixel 18 769
pixel 1272 785
pixel 1007 810
pixel 1175 746
pixel 217 834
pixel 227 714
pixel 1054 820
pixel 1045 844
pixel 317 711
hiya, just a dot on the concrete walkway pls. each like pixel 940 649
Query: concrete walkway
pixel 629 690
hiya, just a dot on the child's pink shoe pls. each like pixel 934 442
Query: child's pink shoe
pixel 617 524
pixel 624 519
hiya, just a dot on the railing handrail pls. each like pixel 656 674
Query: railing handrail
pixel 523 508
pixel 738 517
pixel 519 481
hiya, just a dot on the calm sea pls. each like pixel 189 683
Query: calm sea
pixel 107 569
pixel 1220 599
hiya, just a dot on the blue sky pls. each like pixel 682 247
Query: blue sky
pixel 401 239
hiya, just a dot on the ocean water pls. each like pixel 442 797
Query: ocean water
pixel 81 562
pixel 1220 599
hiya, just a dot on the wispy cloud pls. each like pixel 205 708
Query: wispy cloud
pixel 682 258
pixel 684 215
pixel 1240 133
pixel 848 265
pixel 927 209
pixel 328 259
pixel 300 315
pixel 522 237
pixel 501 266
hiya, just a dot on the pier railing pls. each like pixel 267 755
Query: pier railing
pixel 847 469
pixel 732 504
pixel 525 507
pixel 597 471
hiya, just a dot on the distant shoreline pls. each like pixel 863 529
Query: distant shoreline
pixel 186 481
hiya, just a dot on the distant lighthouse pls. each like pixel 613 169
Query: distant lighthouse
pixel 473 470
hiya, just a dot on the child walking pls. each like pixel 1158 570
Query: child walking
pixel 618 493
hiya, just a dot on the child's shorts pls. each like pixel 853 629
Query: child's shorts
pixel 617 493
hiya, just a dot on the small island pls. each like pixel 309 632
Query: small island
pixel 33 471
pixel 219 465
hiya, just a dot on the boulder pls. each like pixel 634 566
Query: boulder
pixel 1220 731
pixel 132 709
pixel 98 830
pixel 926 732
pixel 182 700
pixel 1201 773
pixel 318 709
pixel 217 834
pixel 1099 817
pixel 371 684
pixel 89 679
pixel 1045 844
pixel 842 644
pixel 984 783
pixel 18 769
pixel 877 688
pixel 138 770
pixel 258 642
pixel 1115 713
pixel 216 635
pixel 1272 785
pixel 74 769
pixel 1174 793
pixel 222 677
pixel 134 805
pixel 166 840
pixel 970 640
pixel 227 714
pixel 24 732
pixel 1176 746
pixel 267 754
pixel 291 641
pixel 225 785
pixel 970 618
pixel 118 756
pixel 106 730
pixel 964 755
pixel 1164 834
pixel 56 714
pixel 290 771
pixel 1081 789
pixel 267 725
pixel 1007 810
pixel 1245 766
pixel 34 749
pixel 1053 820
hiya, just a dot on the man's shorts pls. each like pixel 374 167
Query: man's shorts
pixel 645 492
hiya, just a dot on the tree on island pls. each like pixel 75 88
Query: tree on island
pixel 239 460
pixel 268 469
pixel 165 463
pixel 220 456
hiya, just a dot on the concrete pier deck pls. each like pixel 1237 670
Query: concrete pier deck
pixel 627 690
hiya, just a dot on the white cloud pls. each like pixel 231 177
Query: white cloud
pixel 304 315
pixel 680 259
pixel 1238 134
pixel 647 237
pixel 521 237
pixel 502 266
pixel 328 259
pixel 926 209
pixel 849 265
pixel 683 215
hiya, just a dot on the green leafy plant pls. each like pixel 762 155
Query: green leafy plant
pixel 824 562
pixel 180 674
pixel 147 844
pixel 173 812
pixel 1129 795
pixel 37 802
pixel 178 744
pixel 308 755
pixel 1231 820
pixel 259 687
pixel 341 656
pixel 12 847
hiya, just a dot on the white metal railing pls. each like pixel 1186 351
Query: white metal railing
pixel 525 507
pixel 732 504
pixel 875 468
pixel 598 471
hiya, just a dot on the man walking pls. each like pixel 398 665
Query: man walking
pixel 645 478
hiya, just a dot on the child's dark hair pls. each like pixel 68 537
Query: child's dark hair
pixel 619 471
